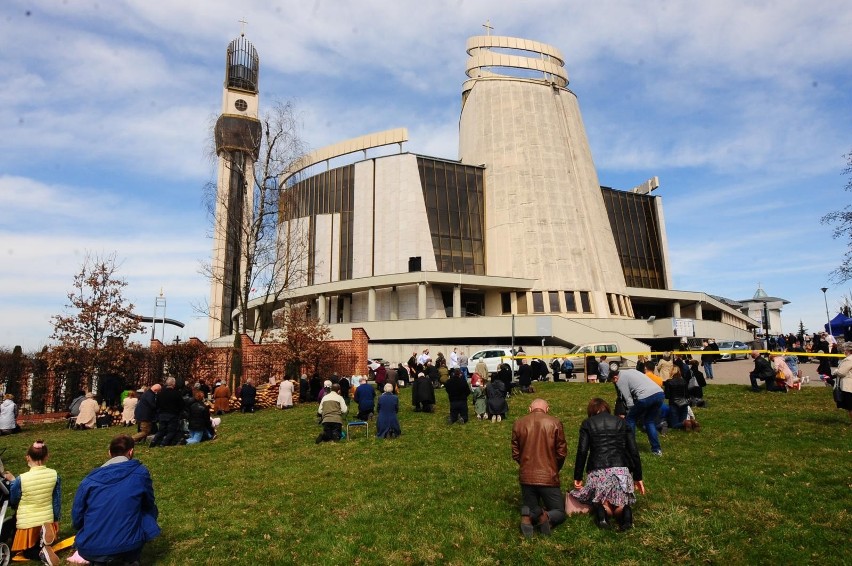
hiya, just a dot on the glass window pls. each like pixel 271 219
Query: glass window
pixel 611 300
pixel 522 302
pixel 554 301
pixel 570 302
pixel 538 301
pixel 635 228
pixel 506 301
pixel 453 196
pixel 585 301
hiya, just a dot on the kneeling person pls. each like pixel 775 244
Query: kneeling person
pixel 331 411
pixel 539 447
pixel 114 510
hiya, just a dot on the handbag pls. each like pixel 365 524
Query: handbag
pixel 837 393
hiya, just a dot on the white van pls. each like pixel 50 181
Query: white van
pixel 579 353
pixel 492 357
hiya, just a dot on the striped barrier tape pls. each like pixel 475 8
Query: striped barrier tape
pixel 680 352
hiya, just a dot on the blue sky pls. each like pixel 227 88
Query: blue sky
pixel 742 109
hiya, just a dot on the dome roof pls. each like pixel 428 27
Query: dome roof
pixel 761 297
pixel 242 66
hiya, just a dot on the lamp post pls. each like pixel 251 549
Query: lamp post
pixel 766 324
pixel 827 317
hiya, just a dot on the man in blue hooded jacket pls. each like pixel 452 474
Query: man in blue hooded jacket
pixel 114 510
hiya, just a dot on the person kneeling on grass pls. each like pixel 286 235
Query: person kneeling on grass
pixel 387 423
pixel 114 510
pixel 201 426
pixel 539 447
pixel 365 397
pixel 762 372
pixel 331 411
pixel 37 495
pixel 607 450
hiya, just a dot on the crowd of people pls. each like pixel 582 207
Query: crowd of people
pixel 163 414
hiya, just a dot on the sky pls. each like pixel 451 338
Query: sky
pixel 743 109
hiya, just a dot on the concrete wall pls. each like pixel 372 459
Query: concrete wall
pixel 545 217
pixel 390 217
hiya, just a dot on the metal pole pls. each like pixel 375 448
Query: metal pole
pixel 513 334
pixel 825 298
pixel 766 323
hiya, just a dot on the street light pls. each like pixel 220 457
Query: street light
pixel 827 317
pixel 766 323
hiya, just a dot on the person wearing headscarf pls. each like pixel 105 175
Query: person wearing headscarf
pixel 387 423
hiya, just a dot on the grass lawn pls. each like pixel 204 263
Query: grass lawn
pixel 767 480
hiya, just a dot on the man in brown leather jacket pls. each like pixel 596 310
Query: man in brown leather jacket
pixel 538 445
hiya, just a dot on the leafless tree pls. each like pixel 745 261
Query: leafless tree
pixel 842 220
pixel 300 341
pixel 271 259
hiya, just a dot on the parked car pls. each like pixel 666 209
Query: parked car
pixel 738 350
pixel 493 357
pixel 578 355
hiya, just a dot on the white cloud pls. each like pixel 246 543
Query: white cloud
pixel 741 108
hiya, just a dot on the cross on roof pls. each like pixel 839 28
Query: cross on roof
pixel 488 27
pixel 243 23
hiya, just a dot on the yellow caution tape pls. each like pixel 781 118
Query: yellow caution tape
pixel 680 352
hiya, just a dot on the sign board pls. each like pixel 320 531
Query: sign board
pixel 543 326
pixel 683 327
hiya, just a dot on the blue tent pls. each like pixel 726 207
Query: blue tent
pixel 841 325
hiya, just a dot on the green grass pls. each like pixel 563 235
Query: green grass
pixel 766 481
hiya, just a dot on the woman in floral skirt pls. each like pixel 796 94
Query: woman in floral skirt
pixel 607 451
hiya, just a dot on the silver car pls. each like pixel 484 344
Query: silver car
pixel 736 350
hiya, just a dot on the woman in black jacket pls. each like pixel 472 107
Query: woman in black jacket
pixel 678 398
pixel 200 425
pixel 504 374
pixel 495 393
pixel 607 450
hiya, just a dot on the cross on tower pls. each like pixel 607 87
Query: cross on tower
pixel 488 27
pixel 243 23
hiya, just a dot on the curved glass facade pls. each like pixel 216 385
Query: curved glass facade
pixel 331 192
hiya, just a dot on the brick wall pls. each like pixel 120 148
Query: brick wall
pixel 258 362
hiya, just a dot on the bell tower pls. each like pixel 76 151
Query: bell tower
pixel 238 135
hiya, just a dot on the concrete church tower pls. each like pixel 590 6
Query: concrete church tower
pixel 238 135
pixel 545 217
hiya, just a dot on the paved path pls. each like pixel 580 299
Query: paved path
pixel 726 373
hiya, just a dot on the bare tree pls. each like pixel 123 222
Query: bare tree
pixel 270 260
pixel 842 220
pixel 300 341
pixel 96 311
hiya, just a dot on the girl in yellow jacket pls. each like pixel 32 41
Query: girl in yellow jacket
pixel 38 497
